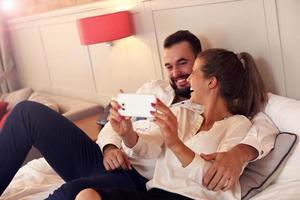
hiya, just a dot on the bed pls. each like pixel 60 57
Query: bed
pixel 36 180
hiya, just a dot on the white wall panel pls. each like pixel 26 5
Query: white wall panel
pixel 49 56
pixel 289 25
pixel 94 72
pixel 125 65
pixel 236 25
pixel 67 59
pixel 122 66
pixel 111 67
pixel 30 58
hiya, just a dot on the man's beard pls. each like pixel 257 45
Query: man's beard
pixel 181 92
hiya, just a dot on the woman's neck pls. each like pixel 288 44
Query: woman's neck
pixel 215 110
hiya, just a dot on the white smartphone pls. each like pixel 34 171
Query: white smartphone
pixel 136 105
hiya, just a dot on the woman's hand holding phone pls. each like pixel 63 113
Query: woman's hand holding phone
pixel 122 125
pixel 167 123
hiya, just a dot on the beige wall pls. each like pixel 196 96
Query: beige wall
pixel 31 7
pixel 50 58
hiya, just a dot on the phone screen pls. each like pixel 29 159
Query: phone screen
pixel 136 105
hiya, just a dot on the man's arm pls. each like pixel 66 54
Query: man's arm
pixel 246 152
pixel 108 136
pixel 262 135
pixel 257 143
pixel 114 158
pixel 110 142
pixel 230 163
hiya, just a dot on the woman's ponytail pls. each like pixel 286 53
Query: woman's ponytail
pixel 255 96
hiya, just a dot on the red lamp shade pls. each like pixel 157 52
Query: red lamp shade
pixel 105 28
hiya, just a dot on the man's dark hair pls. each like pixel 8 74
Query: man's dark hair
pixel 184 36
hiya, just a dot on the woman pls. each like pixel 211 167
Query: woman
pixel 229 87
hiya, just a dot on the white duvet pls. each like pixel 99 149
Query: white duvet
pixel 36 180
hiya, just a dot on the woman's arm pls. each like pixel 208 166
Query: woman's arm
pixel 148 146
pixel 184 154
pixel 135 145
pixel 168 125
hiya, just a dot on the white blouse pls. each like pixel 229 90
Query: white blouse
pixel 169 174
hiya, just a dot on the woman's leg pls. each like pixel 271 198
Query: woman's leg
pixel 89 194
pixel 70 152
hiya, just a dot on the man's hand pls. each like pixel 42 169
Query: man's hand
pixel 114 158
pixel 226 167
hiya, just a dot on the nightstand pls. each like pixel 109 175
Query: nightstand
pixel 89 126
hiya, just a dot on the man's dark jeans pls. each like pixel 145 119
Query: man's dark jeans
pixel 69 151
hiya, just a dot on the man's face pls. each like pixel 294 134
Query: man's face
pixel 178 61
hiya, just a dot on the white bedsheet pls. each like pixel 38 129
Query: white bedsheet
pixel 37 180
pixel 34 181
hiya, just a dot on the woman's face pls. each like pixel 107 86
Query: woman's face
pixel 199 84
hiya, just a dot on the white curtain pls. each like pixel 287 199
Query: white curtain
pixel 6 59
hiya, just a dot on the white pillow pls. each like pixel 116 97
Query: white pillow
pixel 36 97
pixel 285 113
pixel 15 97
pixel 261 173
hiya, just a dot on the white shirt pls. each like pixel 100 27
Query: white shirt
pixel 261 136
pixel 169 174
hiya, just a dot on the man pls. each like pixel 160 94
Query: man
pixel 79 161
pixel 180 51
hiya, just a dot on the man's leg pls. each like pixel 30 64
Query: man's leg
pixel 116 179
pixel 70 152
pixel 129 194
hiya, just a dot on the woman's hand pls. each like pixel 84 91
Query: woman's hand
pixel 122 125
pixel 167 123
